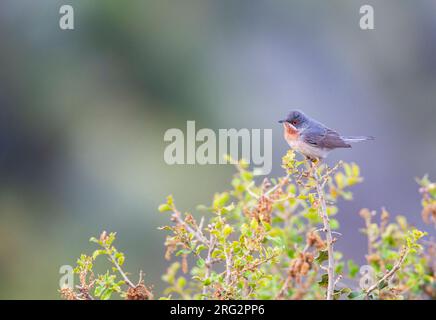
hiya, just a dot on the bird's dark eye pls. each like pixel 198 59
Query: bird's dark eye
pixel 294 122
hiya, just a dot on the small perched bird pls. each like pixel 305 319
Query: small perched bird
pixel 313 139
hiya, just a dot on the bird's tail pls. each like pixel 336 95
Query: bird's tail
pixel 351 139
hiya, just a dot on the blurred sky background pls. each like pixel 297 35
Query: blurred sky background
pixel 83 114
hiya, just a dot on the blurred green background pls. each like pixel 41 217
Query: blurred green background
pixel 83 113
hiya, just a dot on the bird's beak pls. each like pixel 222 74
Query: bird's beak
pixel 288 125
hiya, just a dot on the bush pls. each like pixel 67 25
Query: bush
pixel 275 240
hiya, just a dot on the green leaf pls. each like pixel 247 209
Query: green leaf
pixel 356 295
pixel 93 239
pixel 244 229
pixel 338 293
pixel 334 224
pixel 339 267
pixel 254 224
pixel 324 280
pixel 353 268
pixel 266 225
pixel 348 170
pixel 182 251
pixel 312 215
pixel 278 241
pixel 106 295
pixel 200 248
pixel 229 208
pixel 220 199
pixel 216 253
pixel 120 259
pixel 419 268
pixel 339 179
pixel 201 263
pixel 97 253
pixel 355 169
pixel 382 285
pixel 322 256
pixel 181 282
pixel 170 200
pixel 98 290
pixel 227 230
pixel 164 207
pixel 247 176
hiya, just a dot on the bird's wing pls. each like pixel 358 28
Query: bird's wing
pixel 324 138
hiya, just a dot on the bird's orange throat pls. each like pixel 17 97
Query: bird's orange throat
pixel 289 132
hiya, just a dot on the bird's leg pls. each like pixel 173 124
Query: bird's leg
pixel 313 164
pixel 313 159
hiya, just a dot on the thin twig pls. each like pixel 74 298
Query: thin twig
pixel 228 266
pixel 126 279
pixel 339 278
pixel 251 192
pixel 208 261
pixel 141 277
pixel 284 288
pixel 228 260
pixel 324 268
pixel 200 226
pixel 284 199
pixel 197 233
pixel 387 276
pixel 280 184
pixel 323 230
pixel 84 293
pixel 253 266
pixel 266 194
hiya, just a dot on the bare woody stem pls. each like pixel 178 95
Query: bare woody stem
pixel 278 185
pixel 228 266
pixel 84 292
pixel 197 233
pixel 209 261
pixel 326 222
pixel 284 288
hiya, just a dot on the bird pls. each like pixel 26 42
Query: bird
pixel 313 139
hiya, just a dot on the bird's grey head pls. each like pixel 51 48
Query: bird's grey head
pixel 297 119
